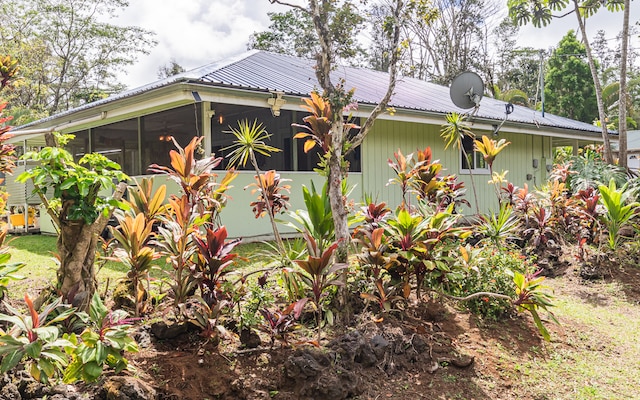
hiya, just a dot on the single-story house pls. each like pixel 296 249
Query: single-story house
pixel 132 128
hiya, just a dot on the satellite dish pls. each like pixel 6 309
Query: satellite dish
pixel 466 90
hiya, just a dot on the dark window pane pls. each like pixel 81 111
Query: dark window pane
pixel 182 124
pixel 79 146
pixel 228 116
pixel 118 142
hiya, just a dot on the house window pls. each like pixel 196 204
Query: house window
pixel 181 124
pixel 118 142
pixel 291 158
pixel 471 160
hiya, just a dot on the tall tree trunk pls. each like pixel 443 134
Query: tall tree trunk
pixel 77 245
pixel 622 98
pixel 596 81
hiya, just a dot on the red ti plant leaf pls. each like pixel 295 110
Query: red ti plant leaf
pixel 271 189
pixel 214 256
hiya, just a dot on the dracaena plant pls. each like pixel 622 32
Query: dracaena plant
pixel 102 344
pixel 619 210
pixel 34 340
pixel 280 323
pixel 531 296
pixel 135 238
pixel 319 273
pixel 453 131
pixel 214 257
pixel 498 229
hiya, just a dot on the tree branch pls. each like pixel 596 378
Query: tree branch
pixel 478 294
pixel 55 217
pixel 284 3
pixel 393 73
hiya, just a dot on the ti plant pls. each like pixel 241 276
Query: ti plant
pixel 532 297
pixel 201 201
pixel 271 189
pixel 175 238
pixel 319 273
pixel 619 211
pixel 34 340
pixel 375 261
pixel 135 238
pixel 197 179
pixel 102 344
pixel 279 324
pixel 214 257
pixel 490 148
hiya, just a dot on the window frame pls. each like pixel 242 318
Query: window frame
pixel 475 156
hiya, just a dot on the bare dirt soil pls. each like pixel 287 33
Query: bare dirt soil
pixel 432 350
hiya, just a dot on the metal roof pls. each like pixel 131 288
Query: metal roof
pixel 264 71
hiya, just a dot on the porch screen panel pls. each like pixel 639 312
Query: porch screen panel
pixel 119 143
pixel 181 124
pixel 79 146
pixel 227 117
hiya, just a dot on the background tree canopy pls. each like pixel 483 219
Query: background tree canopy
pixel 68 54
pixel 569 88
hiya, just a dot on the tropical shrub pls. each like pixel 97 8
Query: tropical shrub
pixel 34 340
pixel 619 210
pixel 492 271
pixel 101 344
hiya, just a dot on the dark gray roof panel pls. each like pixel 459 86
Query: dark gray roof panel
pixel 295 76
pixel 264 71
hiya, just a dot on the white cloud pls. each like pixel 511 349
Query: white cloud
pixel 198 32
pixel 194 32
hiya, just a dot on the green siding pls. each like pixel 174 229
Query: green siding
pixel 387 136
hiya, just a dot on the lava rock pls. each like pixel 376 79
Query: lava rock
pixel 250 339
pixel 163 331
pixel 127 388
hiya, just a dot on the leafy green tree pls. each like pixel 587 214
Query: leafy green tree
pixel 540 13
pixel 569 89
pixel 71 193
pixel 68 55
pixel 292 32
pixel 170 69
pixel 446 37
pixel 516 69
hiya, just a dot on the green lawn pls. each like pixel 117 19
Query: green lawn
pixel 37 252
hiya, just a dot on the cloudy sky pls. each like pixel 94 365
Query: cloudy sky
pixel 198 32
